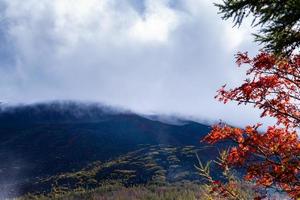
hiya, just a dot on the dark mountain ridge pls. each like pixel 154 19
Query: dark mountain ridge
pixel 43 140
pixel 57 111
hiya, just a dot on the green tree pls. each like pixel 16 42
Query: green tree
pixel 279 21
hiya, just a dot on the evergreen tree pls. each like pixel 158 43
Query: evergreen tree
pixel 279 21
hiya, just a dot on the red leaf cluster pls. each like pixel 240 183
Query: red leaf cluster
pixel 273 85
pixel 272 158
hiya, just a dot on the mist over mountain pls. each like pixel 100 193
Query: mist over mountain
pixel 57 111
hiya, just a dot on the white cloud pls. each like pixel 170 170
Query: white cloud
pixel 156 24
pixel 168 56
pixel 233 37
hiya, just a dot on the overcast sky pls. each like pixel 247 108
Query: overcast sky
pixel 151 56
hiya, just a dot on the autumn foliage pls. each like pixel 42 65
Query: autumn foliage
pixel 271 158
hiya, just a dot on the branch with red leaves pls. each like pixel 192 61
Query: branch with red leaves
pixel 272 85
pixel 272 158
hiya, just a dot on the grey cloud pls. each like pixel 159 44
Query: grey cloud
pixel 94 57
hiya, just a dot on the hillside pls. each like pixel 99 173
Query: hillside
pixel 40 144
pixel 150 165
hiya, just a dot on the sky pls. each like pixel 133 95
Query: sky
pixel 150 56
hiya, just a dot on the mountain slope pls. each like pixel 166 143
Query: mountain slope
pixel 151 164
pixel 43 140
